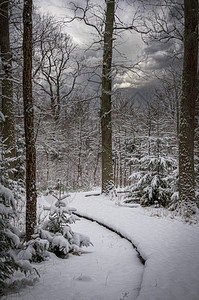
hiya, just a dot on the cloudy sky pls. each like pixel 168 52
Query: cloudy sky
pixel 129 44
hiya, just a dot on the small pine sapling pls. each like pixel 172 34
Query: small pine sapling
pixel 57 231
pixel 154 182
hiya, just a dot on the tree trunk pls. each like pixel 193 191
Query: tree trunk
pixel 106 127
pixel 187 110
pixel 31 197
pixel 7 88
pixel 121 169
pixel 196 145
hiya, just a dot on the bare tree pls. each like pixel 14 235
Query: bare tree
pixel 31 197
pixel 58 69
pixel 186 205
pixel 107 166
pixel 106 23
pixel 124 124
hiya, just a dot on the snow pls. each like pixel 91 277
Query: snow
pixel 7 195
pixel 111 269
pixel 169 247
pixel 2 117
pixel 60 242
pixel 13 237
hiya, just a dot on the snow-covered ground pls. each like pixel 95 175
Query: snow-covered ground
pixel 111 269
pixel 170 247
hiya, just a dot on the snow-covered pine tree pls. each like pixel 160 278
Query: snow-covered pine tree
pixel 154 159
pixel 5 163
pixel 7 208
pixel 57 230
pixel 10 240
pixel 154 178
pixel 15 184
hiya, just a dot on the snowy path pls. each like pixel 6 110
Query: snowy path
pixel 110 270
pixel 169 247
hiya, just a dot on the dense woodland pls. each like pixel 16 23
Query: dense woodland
pixel 63 119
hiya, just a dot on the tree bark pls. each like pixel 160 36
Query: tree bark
pixel 106 127
pixel 196 145
pixel 187 110
pixel 31 197
pixel 8 131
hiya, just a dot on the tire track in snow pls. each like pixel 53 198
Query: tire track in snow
pixel 142 260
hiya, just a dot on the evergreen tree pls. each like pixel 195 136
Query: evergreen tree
pixel 10 240
pixel 7 208
pixel 154 178
pixel 58 232
pixel 55 235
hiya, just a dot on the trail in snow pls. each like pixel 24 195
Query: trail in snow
pixel 169 246
pixel 110 270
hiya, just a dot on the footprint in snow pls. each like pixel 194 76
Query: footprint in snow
pixel 83 278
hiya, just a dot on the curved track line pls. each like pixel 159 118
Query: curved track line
pixel 142 260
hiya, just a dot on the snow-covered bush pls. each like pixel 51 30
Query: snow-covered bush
pixel 10 239
pixel 154 182
pixel 57 233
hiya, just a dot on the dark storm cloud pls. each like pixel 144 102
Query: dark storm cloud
pixel 162 54
pixel 155 47
pixel 158 55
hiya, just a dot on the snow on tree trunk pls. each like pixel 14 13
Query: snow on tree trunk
pixel 31 197
pixel 106 126
pixel 187 110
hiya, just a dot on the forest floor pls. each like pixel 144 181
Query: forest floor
pixel 111 269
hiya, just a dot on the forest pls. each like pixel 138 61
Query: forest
pixel 112 114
